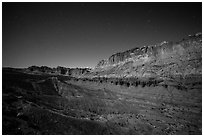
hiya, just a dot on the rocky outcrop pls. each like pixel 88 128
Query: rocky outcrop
pixel 74 72
pixel 165 60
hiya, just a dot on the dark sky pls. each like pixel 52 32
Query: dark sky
pixel 81 34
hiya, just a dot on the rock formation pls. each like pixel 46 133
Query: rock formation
pixel 164 60
pixel 73 72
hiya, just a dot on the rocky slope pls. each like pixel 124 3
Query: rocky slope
pixel 163 60
pixel 49 105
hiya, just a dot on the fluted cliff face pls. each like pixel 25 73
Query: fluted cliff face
pixel 166 59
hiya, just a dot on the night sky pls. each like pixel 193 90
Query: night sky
pixel 81 34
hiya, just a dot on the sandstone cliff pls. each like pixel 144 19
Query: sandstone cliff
pixel 165 60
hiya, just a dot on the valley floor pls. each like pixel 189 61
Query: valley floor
pixel 45 104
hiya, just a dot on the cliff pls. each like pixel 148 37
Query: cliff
pixel 165 60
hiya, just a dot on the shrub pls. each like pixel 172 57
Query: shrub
pixel 128 84
pixel 143 84
pixel 121 83
pixel 165 86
